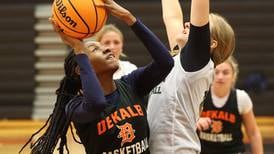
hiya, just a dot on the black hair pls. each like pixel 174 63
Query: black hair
pixel 58 122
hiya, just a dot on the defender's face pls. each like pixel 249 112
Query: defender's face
pixel 101 58
pixel 114 42
pixel 223 76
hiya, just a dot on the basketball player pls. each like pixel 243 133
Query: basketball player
pixel 109 116
pixel 112 37
pixel 225 109
pixel 173 107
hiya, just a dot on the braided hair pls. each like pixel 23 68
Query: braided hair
pixel 58 122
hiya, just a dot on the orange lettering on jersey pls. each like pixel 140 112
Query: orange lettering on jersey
pixel 126 133
pixel 139 110
pixel 223 115
pixel 131 112
pixel 204 114
pixel 109 122
pixel 101 127
pixel 115 117
pixel 124 113
pixel 213 114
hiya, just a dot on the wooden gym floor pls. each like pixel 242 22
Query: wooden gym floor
pixel 14 133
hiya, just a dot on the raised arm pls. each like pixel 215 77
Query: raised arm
pixel 199 14
pixel 94 99
pixel 146 78
pixel 173 20
pixel 196 53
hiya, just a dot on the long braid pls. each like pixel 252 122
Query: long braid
pixel 58 123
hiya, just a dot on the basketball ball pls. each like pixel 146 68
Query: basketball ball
pixel 79 18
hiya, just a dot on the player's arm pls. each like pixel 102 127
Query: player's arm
pixel 196 53
pixel 253 132
pixel 199 14
pixel 93 99
pixel 173 20
pixel 249 121
pixel 87 107
pixel 146 78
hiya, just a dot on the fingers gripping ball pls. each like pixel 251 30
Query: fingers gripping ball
pixel 79 18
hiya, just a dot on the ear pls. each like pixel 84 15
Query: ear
pixel 77 70
pixel 213 44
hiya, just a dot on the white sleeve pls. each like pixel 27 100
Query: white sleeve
pixel 244 101
pixel 127 66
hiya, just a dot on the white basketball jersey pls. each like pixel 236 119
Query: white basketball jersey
pixel 173 110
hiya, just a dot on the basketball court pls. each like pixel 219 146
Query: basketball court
pixel 15 133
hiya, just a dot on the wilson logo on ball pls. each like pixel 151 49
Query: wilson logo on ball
pixel 79 18
pixel 62 10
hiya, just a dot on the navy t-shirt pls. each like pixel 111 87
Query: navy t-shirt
pixel 118 121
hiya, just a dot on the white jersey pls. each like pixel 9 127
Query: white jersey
pixel 173 110
pixel 125 67
pixel 243 100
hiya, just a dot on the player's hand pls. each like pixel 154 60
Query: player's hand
pixel 204 123
pixel 77 44
pixel 119 12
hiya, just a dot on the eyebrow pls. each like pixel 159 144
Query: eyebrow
pixel 95 48
pixel 92 45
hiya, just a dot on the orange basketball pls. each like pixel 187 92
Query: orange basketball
pixel 79 18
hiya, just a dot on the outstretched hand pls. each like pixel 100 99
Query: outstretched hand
pixel 74 43
pixel 119 12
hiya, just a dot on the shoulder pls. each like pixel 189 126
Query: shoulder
pixel 125 67
pixel 206 71
pixel 74 102
pixel 242 94
pixel 76 98
pixel 244 101
pixel 127 64
pixel 123 62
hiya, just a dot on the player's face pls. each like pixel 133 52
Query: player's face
pixel 102 58
pixel 114 41
pixel 182 37
pixel 223 76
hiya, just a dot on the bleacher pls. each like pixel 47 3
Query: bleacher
pixel 16 61
pixel 49 53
